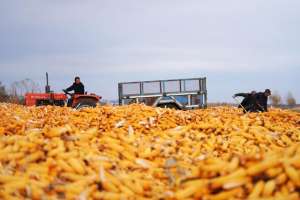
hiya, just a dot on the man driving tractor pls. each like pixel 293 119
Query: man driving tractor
pixel 254 102
pixel 77 87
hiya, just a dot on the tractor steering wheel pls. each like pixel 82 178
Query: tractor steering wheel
pixel 68 93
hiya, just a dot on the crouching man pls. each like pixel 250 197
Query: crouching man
pixel 254 102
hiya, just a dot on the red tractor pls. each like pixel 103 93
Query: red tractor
pixel 59 99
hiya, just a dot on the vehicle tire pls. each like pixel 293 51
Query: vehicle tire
pixel 169 105
pixel 42 102
pixel 86 103
pixel 59 103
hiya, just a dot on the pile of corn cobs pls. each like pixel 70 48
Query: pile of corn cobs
pixel 140 152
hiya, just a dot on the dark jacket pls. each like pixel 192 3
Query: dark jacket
pixel 249 101
pixel 262 101
pixel 78 88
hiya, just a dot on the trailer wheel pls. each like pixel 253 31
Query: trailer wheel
pixel 169 105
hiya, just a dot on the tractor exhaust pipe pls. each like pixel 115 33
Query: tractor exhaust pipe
pixel 47 88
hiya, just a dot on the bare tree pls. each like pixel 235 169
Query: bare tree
pixel 2 89
pixel 20 88
pixel 3 93
pixel 290 100
pixel 13 89
pixel 275 98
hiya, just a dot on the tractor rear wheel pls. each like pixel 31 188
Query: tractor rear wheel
pixel 59 102
pixel 42 102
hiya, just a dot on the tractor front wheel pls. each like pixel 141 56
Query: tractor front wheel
pixel 85 103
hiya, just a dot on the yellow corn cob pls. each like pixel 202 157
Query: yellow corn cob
pixel 76 165
pixel 139 152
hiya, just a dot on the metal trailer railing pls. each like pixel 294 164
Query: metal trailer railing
pixel 185 93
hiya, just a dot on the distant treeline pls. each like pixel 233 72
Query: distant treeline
pixel 16 91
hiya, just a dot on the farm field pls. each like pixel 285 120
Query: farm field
pixel 297 109
pixel 141 152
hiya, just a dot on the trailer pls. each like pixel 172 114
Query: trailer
pixel 183 94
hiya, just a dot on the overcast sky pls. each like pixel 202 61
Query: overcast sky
pixel 238 45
